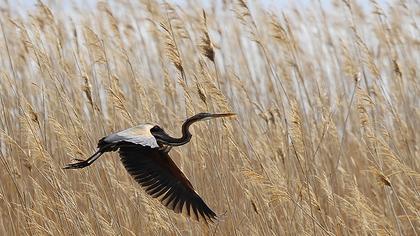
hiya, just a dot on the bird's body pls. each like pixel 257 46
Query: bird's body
pixel 144 153
pixel 139 134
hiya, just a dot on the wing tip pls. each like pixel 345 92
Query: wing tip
pixel 171 188
pixel 199 211
pixel 194 208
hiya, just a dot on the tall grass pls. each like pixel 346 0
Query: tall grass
pixel 325 142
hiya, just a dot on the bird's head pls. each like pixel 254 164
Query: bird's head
pixel 207 116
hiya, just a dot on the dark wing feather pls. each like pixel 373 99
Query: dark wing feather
pixel 159 176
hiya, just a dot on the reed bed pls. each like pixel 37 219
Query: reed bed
pixel 325 141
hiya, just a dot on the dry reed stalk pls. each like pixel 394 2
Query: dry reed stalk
pixel 325 142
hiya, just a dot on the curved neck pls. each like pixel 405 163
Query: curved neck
pixel 185 138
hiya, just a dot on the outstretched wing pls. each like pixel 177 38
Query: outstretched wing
pixel 159 176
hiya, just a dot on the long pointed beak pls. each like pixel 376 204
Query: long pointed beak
pixel 216 115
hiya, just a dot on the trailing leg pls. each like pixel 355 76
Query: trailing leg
pixel 83 163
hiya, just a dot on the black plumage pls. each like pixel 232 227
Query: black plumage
pixel 159 176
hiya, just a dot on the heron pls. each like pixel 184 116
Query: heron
pixel 144 152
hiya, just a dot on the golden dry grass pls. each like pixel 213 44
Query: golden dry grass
pixel 325 143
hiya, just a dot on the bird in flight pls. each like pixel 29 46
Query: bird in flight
pixel 144 152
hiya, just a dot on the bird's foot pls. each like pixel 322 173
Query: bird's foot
pixel 78 165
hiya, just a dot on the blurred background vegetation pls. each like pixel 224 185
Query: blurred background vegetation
pixel 326 92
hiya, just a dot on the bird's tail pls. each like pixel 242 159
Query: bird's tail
pixel 102 143
pixel 105 146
